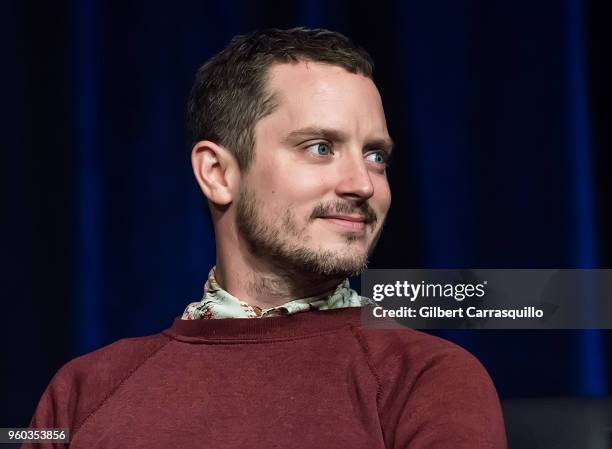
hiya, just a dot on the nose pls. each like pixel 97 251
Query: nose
pixel 355 182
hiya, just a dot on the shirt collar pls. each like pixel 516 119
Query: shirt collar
pixel 218 303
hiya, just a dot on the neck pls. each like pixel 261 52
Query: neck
pixel 267 285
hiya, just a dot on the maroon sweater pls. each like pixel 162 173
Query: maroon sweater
pixel 310 380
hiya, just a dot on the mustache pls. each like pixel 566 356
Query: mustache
pixel 364 210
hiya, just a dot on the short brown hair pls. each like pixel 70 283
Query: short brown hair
pixel 229 93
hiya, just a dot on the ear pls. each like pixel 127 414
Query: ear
pixel 216 171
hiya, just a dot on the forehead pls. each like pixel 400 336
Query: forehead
pixel 317 94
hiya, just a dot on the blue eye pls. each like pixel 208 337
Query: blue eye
pixel 320 149
pixel 379 157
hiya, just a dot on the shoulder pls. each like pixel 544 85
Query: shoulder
pixel 113 360
pixel 428 384
pixel 415 358
pixel 82 385
pixel 411 349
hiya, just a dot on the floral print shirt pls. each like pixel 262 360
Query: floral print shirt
pixel 218 303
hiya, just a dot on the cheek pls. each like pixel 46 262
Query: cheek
pixel 382 196
pixel 287 184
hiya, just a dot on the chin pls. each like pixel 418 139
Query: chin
pixel 352 259
pixel 343 249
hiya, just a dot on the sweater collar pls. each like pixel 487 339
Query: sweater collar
pixel 298 325
pixel 218 303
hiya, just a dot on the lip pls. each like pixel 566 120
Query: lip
pixel 355 218
pixel 347 223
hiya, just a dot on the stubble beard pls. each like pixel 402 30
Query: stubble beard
pixel 277 241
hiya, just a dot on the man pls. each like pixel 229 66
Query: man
pixel 290 148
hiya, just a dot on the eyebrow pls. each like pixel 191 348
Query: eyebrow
pixel 334 135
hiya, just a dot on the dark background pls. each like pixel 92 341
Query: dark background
pixel 501 113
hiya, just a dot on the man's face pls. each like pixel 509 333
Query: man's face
pixel 316 196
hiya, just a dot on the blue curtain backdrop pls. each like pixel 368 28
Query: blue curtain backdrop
pixel 501 113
